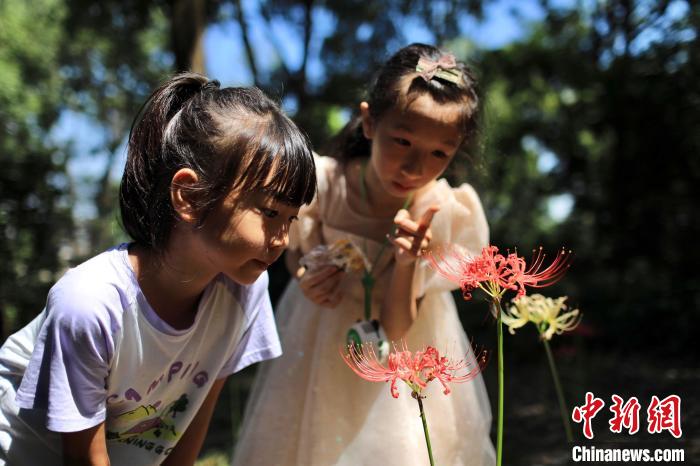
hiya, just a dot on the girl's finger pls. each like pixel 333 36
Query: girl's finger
pixel 400 231
pixel 407 225
pixel 321 290
pixel 402 214
pixel 402 218
pixel 317 296
pixel 418 246
pixel 401 242
pixel 313 278
pixel 414 236
pixel 427 218
pixel 416 228
pixel 329 285
pixel 331 299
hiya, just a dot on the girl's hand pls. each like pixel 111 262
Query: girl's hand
pixel 321 286
pixel 411 238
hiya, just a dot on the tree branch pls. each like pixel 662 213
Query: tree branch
pixel 307 37
pixel 265 13
pixel 186 31
pixel 246 41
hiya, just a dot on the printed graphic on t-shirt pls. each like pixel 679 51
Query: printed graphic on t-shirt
pixel 148 422
pixel 156 426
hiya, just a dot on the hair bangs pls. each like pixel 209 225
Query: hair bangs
pixel 280 163
pixel 412 87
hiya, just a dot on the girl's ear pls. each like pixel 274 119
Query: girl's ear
pixel 367 120
pixel 182 194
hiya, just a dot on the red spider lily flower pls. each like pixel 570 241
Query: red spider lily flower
pixel 415 369
pixel 535 277
pixel 495 273
pixel 447 371
pixel 470 271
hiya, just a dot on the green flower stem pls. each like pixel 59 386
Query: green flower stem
pixel 560 392
pixel 368 284
pixel 425 427
pixel 499 432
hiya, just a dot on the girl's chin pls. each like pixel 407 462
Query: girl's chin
pixel 399 190
pixel 249 274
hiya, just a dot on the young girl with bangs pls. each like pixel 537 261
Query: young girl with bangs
pixel 126 362
pixel 380 186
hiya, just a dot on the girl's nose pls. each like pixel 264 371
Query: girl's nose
pixel 412 166
pixel 280 239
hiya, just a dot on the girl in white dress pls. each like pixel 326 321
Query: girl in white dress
pixel 307 407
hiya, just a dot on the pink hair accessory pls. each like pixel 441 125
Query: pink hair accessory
pixel 443 68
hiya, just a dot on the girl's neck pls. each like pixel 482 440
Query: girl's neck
pixel 171 286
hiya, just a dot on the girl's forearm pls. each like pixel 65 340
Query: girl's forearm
pixel 85 448
pixel 399 306
pixel 187 448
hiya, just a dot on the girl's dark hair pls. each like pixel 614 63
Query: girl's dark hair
pixel 233 138
pixel 396 85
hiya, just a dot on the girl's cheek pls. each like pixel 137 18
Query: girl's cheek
pixel 250 228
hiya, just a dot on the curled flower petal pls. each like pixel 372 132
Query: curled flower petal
pixel 415 369
pixel 495 273
pixel 545 313
pixel 515 317
pixel 536 277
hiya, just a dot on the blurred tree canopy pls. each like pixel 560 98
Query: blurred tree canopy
pixel 594 111
pixel 34 190
pixel 611 95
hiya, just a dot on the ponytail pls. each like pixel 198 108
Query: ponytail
pixel 143 198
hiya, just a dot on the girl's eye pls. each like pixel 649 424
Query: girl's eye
pixel 269 213
pixel 402 142
pixel 439 154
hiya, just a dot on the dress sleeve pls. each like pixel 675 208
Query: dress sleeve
pixel 67 374
pixel 260 340
pixel 461 221
pixel 305 233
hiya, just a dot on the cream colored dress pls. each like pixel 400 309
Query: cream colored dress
pixel 307 408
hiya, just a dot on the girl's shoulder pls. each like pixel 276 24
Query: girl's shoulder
pixel 101 286
pixel 331 186
pixel 328 170
pixel 461 217
pixel 462 198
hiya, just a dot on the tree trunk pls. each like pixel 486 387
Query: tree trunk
pixel 187 34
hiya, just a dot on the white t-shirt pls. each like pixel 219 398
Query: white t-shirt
pixel 98 352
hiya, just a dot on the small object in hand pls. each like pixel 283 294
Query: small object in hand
pixel 369 331
pixel 342 254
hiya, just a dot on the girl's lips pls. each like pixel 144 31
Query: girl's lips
pixel 403 187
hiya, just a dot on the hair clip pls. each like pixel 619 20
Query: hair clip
pixel 443 68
